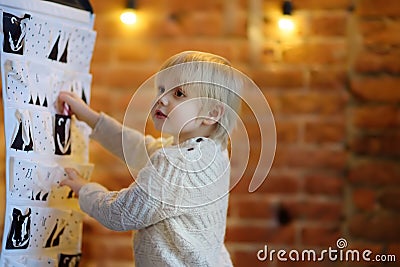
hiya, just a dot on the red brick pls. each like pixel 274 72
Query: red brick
pixel 270 53
pixel 168 47
pixel 260 235
pixel 376 117
pixel 325 132
pixel 394 249
pixel 321 184
pixel 315 210
pixel 102 53
pixel 316 4
pixel 375 173
pixel 329 25
pixel 371 62
pixel 324 53
pixel 132 51
pixel 251 208
pixel 322 236
pixel 325 262
pixel 126 77
pixel 287 132
pixel 378 227
pixel 326 79
pixel 364 199
pixel 247 258
pixel 279 78
pixel 375 8
pixel 275 184
pixel 99 247
pixel 202 23
pixel 188 6
pixel 312 158
pixel 379 32
pixel 313 103
pixel 390 199
pixel 382 144
pixel 376 89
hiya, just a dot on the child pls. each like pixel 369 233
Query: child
pixel 178 202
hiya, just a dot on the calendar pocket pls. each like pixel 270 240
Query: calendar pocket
pixel 21 139
pixel 43 228
pixel 42 127
pixel 29 260
pixel 17 82
pixel 14 30
pixel 32 181
pixel 59 43
pixel 37 38
pixel 39 84
pixel 80 139
pixel 81 48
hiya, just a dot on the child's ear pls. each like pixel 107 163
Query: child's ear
pixel 214 115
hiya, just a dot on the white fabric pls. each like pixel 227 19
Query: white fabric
pixel 178 204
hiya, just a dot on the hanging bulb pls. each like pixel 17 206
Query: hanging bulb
pixel 129 16
pixel 286 22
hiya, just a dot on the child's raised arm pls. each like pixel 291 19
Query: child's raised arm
pixel 70 103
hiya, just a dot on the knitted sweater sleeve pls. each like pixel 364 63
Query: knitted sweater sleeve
pixel 128 209
pixel 116 138
pixel 132 208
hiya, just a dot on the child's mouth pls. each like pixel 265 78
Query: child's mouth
pixel 159 114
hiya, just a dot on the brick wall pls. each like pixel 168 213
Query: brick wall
pixel 333 86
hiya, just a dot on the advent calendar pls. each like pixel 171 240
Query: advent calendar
pixel 46 48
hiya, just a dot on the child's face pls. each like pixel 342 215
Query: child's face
pixel 177 112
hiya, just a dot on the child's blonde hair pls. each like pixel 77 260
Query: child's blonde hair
pixel 214 79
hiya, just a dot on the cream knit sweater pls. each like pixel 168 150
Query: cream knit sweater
pixel 178 204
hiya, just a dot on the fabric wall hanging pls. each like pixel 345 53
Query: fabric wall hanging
pixel 46 48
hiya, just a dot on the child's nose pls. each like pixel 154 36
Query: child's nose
pixel 163 100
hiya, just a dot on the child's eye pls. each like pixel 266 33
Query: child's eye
pixel 179 92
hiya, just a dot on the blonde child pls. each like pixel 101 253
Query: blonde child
pixel 178 202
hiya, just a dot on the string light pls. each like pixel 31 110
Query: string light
pixel 129 16
pixel 286 22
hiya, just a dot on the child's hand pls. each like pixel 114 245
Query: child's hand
pixel 70 103
pixel 74 180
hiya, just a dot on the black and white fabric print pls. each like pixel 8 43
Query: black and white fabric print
pixel 33 181
pixel 23 174
pixel 59 43
pixel 62 134
pixel 20 230
pixel 53 240
pixel 56 228
pixel 14 33
pixel 38 37
pixel 17 82
pixel 42 125
pixel 80 85
pixel 81 46
pixel 22 137
pixel 28 260
pixel 80 132
pixel 44 228
pixel 39 84
pixel 69 260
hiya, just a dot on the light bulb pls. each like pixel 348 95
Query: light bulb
pixel 286 24
pixel 129 16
